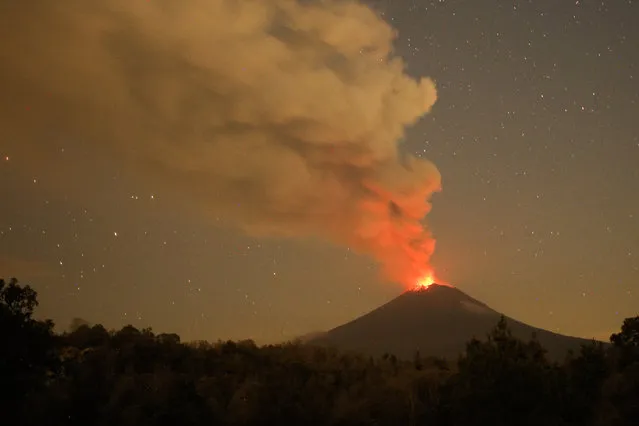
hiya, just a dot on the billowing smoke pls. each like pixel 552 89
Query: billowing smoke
pixel 283 116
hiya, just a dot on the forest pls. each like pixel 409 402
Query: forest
pixel 89 375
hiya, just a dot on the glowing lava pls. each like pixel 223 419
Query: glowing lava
pixel 425 282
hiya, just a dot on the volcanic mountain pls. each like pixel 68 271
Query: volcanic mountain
pixel 436 321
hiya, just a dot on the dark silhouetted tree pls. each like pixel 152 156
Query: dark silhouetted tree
pixel 502 381
pixel 27 354
pixel 620 391
pixel 626 342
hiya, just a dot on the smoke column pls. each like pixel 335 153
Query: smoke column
pixel 283 116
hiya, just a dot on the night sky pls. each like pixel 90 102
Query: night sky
pixel 534 133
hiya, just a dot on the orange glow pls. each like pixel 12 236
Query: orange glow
pixel 426 281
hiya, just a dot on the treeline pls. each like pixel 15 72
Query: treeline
pixel 92 376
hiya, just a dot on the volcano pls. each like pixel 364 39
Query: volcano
pixel 436 321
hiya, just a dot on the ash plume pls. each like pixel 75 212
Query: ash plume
pixel 282 116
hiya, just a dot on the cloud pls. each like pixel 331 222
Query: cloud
pixel 282 116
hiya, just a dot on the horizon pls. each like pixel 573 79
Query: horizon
pixel 276 167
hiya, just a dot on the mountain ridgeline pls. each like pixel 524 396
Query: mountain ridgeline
pixel 436 321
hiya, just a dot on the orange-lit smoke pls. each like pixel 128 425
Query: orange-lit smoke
pixel 281 116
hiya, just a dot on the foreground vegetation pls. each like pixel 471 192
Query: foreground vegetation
pixel 91 376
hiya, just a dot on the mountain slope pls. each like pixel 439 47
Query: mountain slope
pixel 438 321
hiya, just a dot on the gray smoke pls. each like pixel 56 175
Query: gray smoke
pixel 279 115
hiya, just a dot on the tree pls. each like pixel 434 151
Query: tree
pixel 581 383
pixel 28 352
pixel 85 336
pixel 502 381
pixel 629 335
pixel 620 391
pixel 626 342
pixel 16 301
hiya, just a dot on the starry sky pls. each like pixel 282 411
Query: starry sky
pixel 534 133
